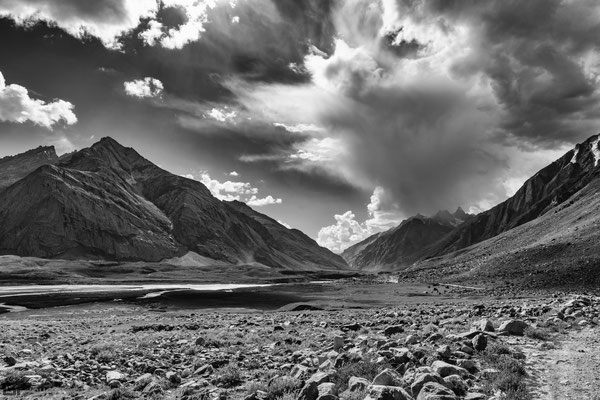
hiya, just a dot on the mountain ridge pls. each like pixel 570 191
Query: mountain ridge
pixel 108 201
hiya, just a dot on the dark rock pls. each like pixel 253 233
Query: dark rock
pixel 513 327
pixel 480 342
pixel 392 330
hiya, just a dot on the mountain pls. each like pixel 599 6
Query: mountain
pixel 404 244
pixel 550 187
pixel 13 168
pixel 559 248
pixel 108 202
pixel 548 230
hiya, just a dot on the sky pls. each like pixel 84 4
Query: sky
pixel 339 118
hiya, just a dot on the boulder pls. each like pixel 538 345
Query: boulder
pixel 456 384
pixel 310 390
pixel 513 327
pixel 485 325
pixel 444 369
pixel 422 379
pixel 388 377
pixel 436 391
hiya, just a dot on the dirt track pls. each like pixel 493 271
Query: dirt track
pixel 569 371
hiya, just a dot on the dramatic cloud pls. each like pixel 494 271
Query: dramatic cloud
pixel 104 19
pixel 235 190
pixel 109 20
pixel 441 104
pixel 17 106
pixel 147 87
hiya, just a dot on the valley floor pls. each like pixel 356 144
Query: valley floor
pixel 414 347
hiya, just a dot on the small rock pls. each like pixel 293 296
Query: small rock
pixel 114 376
pixel 479 342
pixel 436 391
pixel 378 392
pixel 356 384
pixel 392 330
pixel 338 343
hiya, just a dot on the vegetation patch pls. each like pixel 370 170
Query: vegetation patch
pixel 506 373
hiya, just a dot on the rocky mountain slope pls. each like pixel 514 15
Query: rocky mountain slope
pixel 107 201
pixel 13 168
pixel 404 244
pixel 544 191
pixel 550 204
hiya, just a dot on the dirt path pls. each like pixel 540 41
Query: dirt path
pixel 569 371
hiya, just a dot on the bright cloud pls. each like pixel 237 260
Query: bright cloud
pixel 104 19
pixel 144 88
pixel 109 20
pixel 235 190
pixel 347 231
pixel 222 115
pixel 190 31
pixel 17 106
pixel 265 201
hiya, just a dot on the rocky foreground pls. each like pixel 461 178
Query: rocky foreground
pixel 463 350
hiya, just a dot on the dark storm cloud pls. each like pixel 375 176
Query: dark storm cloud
pixel 534 53
pixel 478 96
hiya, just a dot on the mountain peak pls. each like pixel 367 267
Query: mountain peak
pixel 13 168
pixel 460 213
pixel 108 142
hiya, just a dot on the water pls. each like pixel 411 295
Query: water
pixel 13 291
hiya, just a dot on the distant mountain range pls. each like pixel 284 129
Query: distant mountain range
pixel 545 206
pixel 108 202
pixel 404 244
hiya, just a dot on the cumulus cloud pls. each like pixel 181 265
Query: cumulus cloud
pixel 347 231
pixel 195 15
pixel 17 106
pixel 265 201
pixel 235 190
pixel 144 88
